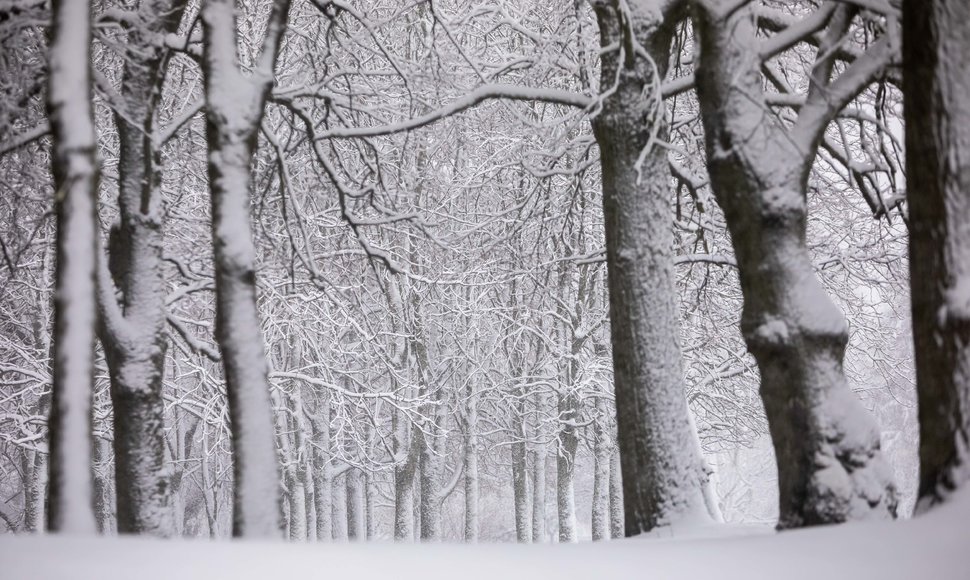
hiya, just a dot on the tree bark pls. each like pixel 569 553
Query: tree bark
pixel 663 470
pixel 234 111
pixel 936 90
pixel 602 451
pixel 830 466
pixel 471 466
pixel 322 481
pixel 134 332
pixel 404 481
pixel 356 516
pixel 75 168
pixel 616 496
pixel 565 470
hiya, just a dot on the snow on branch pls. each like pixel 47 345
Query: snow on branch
pixel 483 93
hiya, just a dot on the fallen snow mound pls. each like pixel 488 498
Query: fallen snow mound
pixel 935 546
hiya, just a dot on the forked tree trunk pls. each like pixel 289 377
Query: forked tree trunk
pixel 322 481
pixel 75 168
pixel 234 111
pixel 134 332
pixel 663 470
pixel 936 90
pixel 830 466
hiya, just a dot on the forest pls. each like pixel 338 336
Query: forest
pixel 483 270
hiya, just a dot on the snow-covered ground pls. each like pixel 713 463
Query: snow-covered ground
pixel 932 547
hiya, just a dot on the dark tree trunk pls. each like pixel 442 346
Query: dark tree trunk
pixel 133 335
pixel 663 470
pixel 830 466
pixel 936 90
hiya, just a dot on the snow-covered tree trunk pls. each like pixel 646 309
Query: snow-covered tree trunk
pixel 539 495
pixel 616 496
pixel 430 491
pixel 322 481
pixel 663 471
pixel 404 481
pixel 539 455
pixel 341 530
pixel 356 516
pixel 104 496
pixel 234 110
pixel 936 88
pixel 566 470
pixel 75 167
pixel 134 332
pixel 35 490
pixel 370 501
pixel 602 451
pixel 471 478
pixel 830 466
pixel 520 479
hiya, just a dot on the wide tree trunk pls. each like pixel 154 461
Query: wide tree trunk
pixel 71 112
pixel 936 90
pixel 134 332
pixel 830 466
pixel 233 114
pixel 663 470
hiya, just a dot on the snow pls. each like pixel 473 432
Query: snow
pixel 933 546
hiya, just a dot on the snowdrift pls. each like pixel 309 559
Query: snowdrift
pixel 935 546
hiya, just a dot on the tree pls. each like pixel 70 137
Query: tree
pixel 134 332
pixel 234 110
pixel 830 466
pixel 75 168
pixel 936 89
pixel 664 476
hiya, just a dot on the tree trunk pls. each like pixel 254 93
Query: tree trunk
pixel 404 482
pixel 565 470
pixel 35 490
pixel 471 466
pixel 616 495
pixel 663 470
pixel 233 114
pixel 134 332
pixel 602 451
pixel 322 481
pixel 75 168
pixel 341 529
pixel 539 474
pixel 830 466
pixel 370 499
pixel 356 524
pixel 430 490
pixel 936 88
